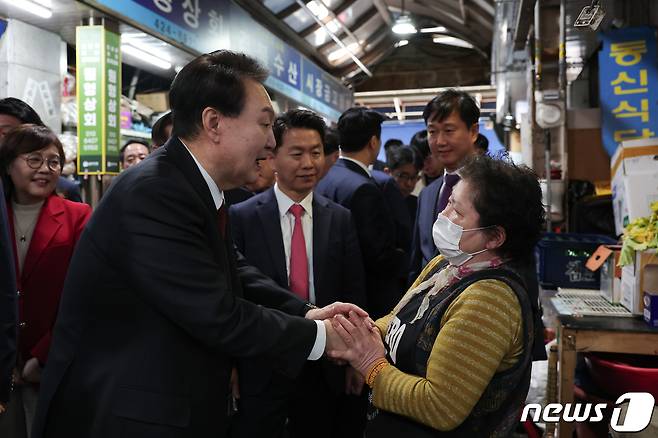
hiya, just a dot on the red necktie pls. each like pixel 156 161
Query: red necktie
pixel 222 218
pixel 298 259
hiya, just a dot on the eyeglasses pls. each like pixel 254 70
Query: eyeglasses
pixel 407 177
pixel 36 161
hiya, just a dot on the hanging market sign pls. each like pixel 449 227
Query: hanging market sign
pixel 98 85
pixel 628 86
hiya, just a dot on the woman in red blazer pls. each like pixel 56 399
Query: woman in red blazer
pixel 45 229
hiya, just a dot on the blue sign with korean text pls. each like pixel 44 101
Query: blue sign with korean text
pixel 628 86
pixel 197 24
pixel 291 73
pixel 208 25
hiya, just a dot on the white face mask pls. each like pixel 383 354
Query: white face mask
pixel 447 236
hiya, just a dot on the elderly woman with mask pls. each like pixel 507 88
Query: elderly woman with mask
pixel 453 358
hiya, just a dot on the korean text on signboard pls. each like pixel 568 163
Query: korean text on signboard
pixel 628 77
pixel 98 76
pixel 207 25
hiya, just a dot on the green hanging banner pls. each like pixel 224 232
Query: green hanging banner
pixel 98 79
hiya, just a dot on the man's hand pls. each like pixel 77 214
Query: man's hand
pixel 334 309
pixel 31 371
pixel 364 344
pixel 334 341
pixel 2 408
pixel 353 381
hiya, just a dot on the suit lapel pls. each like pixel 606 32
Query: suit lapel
pixel 182 159
pixel 268 213
pixel 48 224
pixel 321 229
pixel 435 201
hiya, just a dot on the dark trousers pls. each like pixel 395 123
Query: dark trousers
pixel 309 405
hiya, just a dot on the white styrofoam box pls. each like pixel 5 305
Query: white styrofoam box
pixel 634 171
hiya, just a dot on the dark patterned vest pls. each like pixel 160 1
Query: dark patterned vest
pixel 496 412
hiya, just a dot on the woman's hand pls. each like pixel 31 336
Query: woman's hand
pixel 364 343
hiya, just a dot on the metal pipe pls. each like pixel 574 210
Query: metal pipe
pixel 538 46
pixel 337 40
pixel 562 63
pixel 547 157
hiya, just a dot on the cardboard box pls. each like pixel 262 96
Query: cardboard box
pixel 634 173
pixel 651 308
pixel 641 276
pixel 158 102
pixel 605 259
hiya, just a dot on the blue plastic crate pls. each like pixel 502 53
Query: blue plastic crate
pixel 561 259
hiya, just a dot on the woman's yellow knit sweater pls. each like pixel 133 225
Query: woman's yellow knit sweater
pixel 481 334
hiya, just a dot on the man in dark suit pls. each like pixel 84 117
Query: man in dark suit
pixel 264 231
pixel 452 127
pixel 350 183
pixel 157 303
pixel 8 310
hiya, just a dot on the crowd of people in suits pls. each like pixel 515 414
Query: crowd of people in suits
pixel 256 275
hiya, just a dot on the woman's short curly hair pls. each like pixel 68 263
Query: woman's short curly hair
pixel 509 196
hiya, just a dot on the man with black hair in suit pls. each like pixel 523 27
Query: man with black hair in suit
pixel 350 183
pixel 306 243
pixel 157 303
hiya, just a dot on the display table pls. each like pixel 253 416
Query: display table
pixel 580 334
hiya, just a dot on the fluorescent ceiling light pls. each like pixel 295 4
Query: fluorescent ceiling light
pixel 401 43
pixel 404 26
pixel 452 41
pixel 318 8
pixel 40 8
pixel 339 53
pixel 433 29
pixel 145 56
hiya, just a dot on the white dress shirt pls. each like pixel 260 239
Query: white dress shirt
pixel 361 165
pixel 288 226
pixel 218 199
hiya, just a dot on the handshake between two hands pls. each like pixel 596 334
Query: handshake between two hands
pixel 351 337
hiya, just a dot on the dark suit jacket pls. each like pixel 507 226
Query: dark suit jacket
pixel 337 266
pixel 155 306
pixel 237 195
pixel 349 185
pixel 46 263
pixel 399 210
pixel 8 310
pixel 422 244
pixel 69 189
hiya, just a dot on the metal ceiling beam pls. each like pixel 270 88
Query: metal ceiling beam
pixel 383 10
pixel 377 52
pixel 455 27
pixel 477 15
pixel 313 27
pixel 285 12
pixel 363 19
pixel 524 19
pixel 373 37
pixel 486 6
pixel 281 29
pixel 448 8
